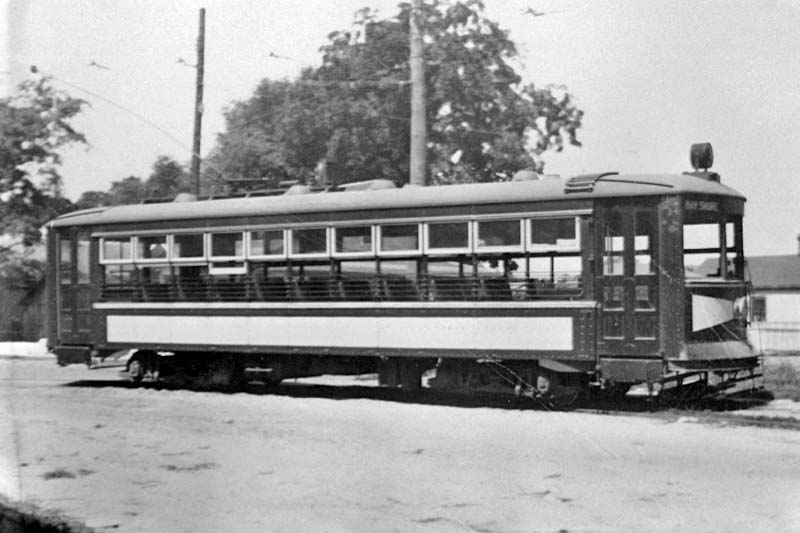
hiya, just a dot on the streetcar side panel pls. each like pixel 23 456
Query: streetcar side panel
pixel 554 330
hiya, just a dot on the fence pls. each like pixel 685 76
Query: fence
pixel 775 336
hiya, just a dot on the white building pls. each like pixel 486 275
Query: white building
pixel 775 302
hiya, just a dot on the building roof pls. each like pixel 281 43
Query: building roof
pixel 774 272
pixel 603 186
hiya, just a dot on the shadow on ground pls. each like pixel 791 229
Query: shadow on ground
pixel 426 396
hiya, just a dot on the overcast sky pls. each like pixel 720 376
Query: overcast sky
pixel 652 77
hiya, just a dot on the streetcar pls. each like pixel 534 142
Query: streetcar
pixel 538 286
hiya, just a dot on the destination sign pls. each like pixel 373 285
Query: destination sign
pixel 702 205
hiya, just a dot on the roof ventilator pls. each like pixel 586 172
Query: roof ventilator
pixel 585 182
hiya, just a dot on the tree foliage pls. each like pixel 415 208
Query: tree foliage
pixel 34 126
pixel 167 179
pixel 350 115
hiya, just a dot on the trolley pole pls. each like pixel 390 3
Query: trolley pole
pixel 418 152
pixel 198 103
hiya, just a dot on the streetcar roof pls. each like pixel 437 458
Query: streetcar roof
pixel 548 189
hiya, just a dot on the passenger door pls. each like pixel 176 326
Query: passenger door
pixel 74 288
pixel 627 280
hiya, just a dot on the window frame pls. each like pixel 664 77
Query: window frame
pixel 312 255
pixel 220 258
pixel 478 249
pixel 151 260
pixel 544 248
pixel 206 249
pixel 267 257
pixel 332 242
pixel 105 261
pixel 427 250
pixel 227 270
pixel 398 253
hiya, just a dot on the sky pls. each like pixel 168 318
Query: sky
pixel 652 78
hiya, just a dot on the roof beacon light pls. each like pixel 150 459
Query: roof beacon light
pixel 702 156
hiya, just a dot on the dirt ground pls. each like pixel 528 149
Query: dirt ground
pixel 306 459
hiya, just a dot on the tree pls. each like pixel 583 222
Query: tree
pixel 350 115
pixel 130 190
pixel 34 126
pixel 89 199
pixel 167 179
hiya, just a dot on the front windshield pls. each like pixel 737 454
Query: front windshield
pixel 711 247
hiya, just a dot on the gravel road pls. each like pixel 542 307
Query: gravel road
pixel 141 460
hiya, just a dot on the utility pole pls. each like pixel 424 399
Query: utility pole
pixel 198 102
pixel 419 145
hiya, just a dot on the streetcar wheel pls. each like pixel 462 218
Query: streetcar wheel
pixel 135 370
pixel 559 389
pixel 410 376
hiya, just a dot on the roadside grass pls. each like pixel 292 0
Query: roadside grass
pixel 782 377
pixel 58 473
pixel 192 468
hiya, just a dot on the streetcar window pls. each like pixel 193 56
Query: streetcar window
pixel 448 236
pixel 151 247
pixel 83 261
pixel 267 243
pixel 227 244
pixel 315 283
pixel 553 234
pixel 355 239
pixel 192 282
pixel 156 274
pixel 119 282
pixel 499 234
pixel 356 280
pixel 65 261
pixel 703 250
pixel 156 283
pixel 116 249
pixel 758 309
pixel 700 236
pixel 613 245
pixel 312 241
pixel 643 242
pixel 555 275
pixel 399 238
pixel 121 274
pixel 188 246
pixel 398 280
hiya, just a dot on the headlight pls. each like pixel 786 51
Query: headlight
pixel 741 308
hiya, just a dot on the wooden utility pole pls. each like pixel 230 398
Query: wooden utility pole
pixel 198 102
pixel 419 145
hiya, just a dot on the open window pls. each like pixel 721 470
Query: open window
pixel 710 250
pixel 151 248
pixel 227 254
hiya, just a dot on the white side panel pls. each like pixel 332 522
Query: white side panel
pixel 483 333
